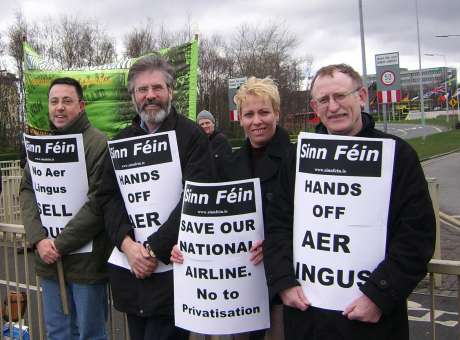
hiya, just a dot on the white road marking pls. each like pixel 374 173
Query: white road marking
pixel 415 306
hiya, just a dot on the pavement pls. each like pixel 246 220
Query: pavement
pixel 446 171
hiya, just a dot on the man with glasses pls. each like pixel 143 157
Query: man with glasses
pixel 144 295
pixel 380 312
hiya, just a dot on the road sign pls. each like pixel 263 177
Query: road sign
pixel 233 86
pixel 388 77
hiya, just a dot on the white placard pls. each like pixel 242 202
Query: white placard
pixel 58 170
pixel 342 196
pixel 217 290
pixel 149 176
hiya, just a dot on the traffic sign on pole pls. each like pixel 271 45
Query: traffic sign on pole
pixel 233 86
pixel 388 77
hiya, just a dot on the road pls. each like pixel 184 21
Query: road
pixel 408 131
pixel 447 171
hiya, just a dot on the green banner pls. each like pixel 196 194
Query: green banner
pixel 108 103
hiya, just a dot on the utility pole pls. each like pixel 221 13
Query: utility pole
pixel 363 52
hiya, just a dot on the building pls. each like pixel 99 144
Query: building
pixel 432 79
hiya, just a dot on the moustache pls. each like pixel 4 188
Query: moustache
pixel 152 102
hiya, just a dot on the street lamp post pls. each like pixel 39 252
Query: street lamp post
pixel 445 79
pixel 363 52
pixel 422 104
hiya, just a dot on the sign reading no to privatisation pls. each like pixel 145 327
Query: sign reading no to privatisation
pixel 217 289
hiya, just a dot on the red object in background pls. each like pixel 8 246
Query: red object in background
pixel 390 96
pixel 312 118
pixel 234 115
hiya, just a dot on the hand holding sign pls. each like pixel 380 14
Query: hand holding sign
pixel 141 263
pixel 47 251
pixel 295 298
pixel 176 255
pixel 256 252
pixel 363 309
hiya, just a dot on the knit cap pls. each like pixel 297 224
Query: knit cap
pixel 205 115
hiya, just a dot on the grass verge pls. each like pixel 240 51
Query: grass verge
pixel 438 121
pixel 436 144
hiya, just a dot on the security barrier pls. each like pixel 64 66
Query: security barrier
pixel 17 278
pixel 442 267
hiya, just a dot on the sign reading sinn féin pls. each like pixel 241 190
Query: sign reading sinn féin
pixel 217 290
pixel 339 230
pixel 149 176
pixel 58 170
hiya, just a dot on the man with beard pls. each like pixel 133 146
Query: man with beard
pixel 144 295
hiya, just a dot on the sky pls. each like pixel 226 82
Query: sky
pixel 327 30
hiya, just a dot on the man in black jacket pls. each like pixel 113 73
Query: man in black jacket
pixel 380 312
pixel 219 147
pixel 218 143
pixel 145 295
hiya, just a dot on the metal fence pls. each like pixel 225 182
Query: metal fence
pixel 10 210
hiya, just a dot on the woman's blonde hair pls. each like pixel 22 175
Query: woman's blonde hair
pixel 265 88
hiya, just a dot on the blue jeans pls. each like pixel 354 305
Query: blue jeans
pixel 87 311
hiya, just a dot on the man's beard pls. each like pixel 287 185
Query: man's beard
pixel 153 118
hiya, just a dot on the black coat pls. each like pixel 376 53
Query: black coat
pixel 409 247
pixel 219 148
pixel 152 296
pixel 219 145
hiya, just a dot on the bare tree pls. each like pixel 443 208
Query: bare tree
pixel 252 51
pixel 9 118
pixel 2 46
pixel 70 42
pixel 143 39
pixel 17 33
pixel 79 43
pixel 215 69
pixel 140 41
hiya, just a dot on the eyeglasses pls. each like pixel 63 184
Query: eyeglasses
pixel 144 89
pixel 338 98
